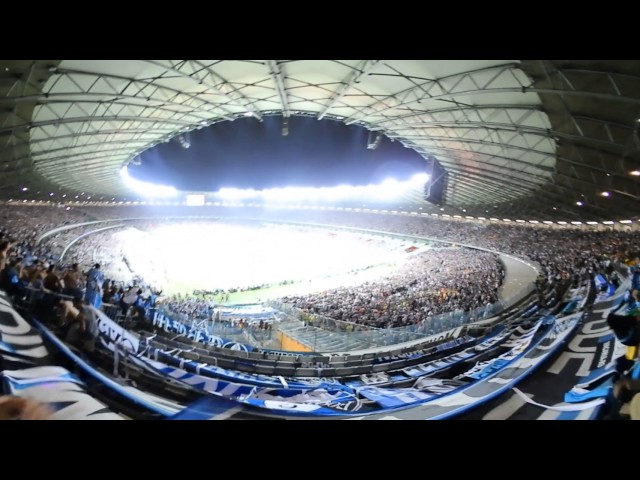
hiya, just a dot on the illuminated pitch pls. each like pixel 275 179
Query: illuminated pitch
pixel 216 255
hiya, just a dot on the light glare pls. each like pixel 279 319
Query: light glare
pixel 146 189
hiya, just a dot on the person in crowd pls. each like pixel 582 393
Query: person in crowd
pixel 109 292
pixel 626 392
pixel 42 299
pixel 67 312
pixel 116 294
pixel 72 280
pixel 139 305
pixel 52 281
pixel 5 246
pixel 10 278
pixel 95 281
pixel 83 327
pixel 635 282
pixel 30 269
pixel 18 408
pixel 129 298
pixel 51 286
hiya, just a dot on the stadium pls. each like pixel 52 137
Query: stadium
pixel 320 239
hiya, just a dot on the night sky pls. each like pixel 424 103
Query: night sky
pixel 247 153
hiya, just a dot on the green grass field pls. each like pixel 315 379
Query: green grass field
pixel 298 288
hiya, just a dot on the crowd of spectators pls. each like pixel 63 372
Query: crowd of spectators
pixel 430 283
pixel 192 307
pixel 440 280
pixel 443 280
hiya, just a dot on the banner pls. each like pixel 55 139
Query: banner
pixel 60 390
pixel 162 320
pixel 113 334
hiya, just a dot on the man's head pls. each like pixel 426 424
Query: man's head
pixel 626 328
pixel 96 266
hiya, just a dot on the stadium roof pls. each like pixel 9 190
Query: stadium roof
pixel 533 139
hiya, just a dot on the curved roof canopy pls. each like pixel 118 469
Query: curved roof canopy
pixel 534 139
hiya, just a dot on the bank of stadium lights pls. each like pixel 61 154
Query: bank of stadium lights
pixel 389 190
pixel 579 203
pixel 146 189
pixel 635 173
pixel 374 141
pixel 184 140
pixel 605 194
